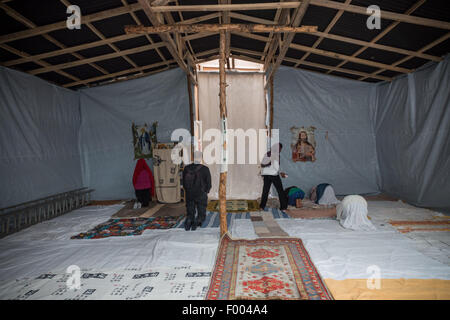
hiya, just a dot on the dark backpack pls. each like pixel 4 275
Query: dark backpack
pixel 192 179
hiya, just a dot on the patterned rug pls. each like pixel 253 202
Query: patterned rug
pixel 265 269
pixel 265 225
pixel 213 218
pixel 235 205
pixel 421 226
pixel 127 227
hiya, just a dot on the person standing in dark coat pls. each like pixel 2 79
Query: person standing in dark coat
pixel 197 184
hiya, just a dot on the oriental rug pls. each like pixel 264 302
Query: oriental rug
pixel 263 269
pixel 235 205
pixel 127 227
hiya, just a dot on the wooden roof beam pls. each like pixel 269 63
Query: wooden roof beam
pixel 297 19
pixel 171 46
pixel 308 63
pixel 192 28
pixel 62 24
pixel 327 30
pixel 98 43
pixel 384 14
pixel 370 44
pixel 383 33
pixel 329 54
pixel 228 7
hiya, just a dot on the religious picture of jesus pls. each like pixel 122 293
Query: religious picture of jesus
pixel 303 144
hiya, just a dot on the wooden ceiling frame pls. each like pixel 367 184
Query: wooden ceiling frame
pixel 185 56
pixel 171 45
pixel 326 31
pixel 20 18
pixel 384 32
pixel 288 37
pixel 311 64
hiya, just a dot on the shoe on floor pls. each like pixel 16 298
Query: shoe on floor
pixel 188 224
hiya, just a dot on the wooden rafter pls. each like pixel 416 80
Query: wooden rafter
pixel 101 36
pixel 17 16
pixel 239 27
pixel 383 33
pixel 228 7
pixel 170 44
pixel 384 14
pixel 347 39
pixel 62 24
pixel 105 56
pixel 97 43
pixel 297 19
pixel 136 19
pixel 329 54
pixel 327 31
pixel 425 48
pixel 311 64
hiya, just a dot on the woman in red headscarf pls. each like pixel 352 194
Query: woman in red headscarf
pixel 143 183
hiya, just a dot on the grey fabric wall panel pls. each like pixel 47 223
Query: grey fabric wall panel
pixel 412 125
pixel 346 157
pixel 38 138
pixel 106 137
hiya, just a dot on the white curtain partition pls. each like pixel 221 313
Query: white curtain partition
pixel 246 110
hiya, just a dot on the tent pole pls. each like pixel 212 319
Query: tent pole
pixel 191 112
pixel 223 116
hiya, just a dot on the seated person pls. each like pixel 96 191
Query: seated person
pixel 143 183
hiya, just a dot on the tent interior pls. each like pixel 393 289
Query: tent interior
pixel 367 82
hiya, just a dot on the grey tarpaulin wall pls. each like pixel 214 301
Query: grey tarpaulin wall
pixel 107 114
pixel 392 137
pixel 346 156
pixel 39 126
pixel 412 125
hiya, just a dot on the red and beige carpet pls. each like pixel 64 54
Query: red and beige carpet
pixel 265 268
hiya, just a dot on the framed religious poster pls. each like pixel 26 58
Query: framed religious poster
pixel 144 138
pixel 303 144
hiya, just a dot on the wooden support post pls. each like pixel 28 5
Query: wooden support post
pixel 191 112
pixel 271 107
pixel 223 117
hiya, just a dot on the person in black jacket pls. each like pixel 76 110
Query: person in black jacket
pixel 197 184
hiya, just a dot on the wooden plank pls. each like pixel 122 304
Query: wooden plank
pixel 171 46
pixel 223 117
pixel 330 54
pixel 370 44
pixel 388 29
pixel 62 24
pixel 228 7
pixel 192 28
pixel 327 30
pixel 119 73
pixel 306 63
pixel 384 14
pixel 289 37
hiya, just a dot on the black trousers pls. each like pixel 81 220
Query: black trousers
pixel 276 180
pixel 196 202
pixel 143 196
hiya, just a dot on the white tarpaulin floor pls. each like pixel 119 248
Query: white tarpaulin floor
pixel 184 260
